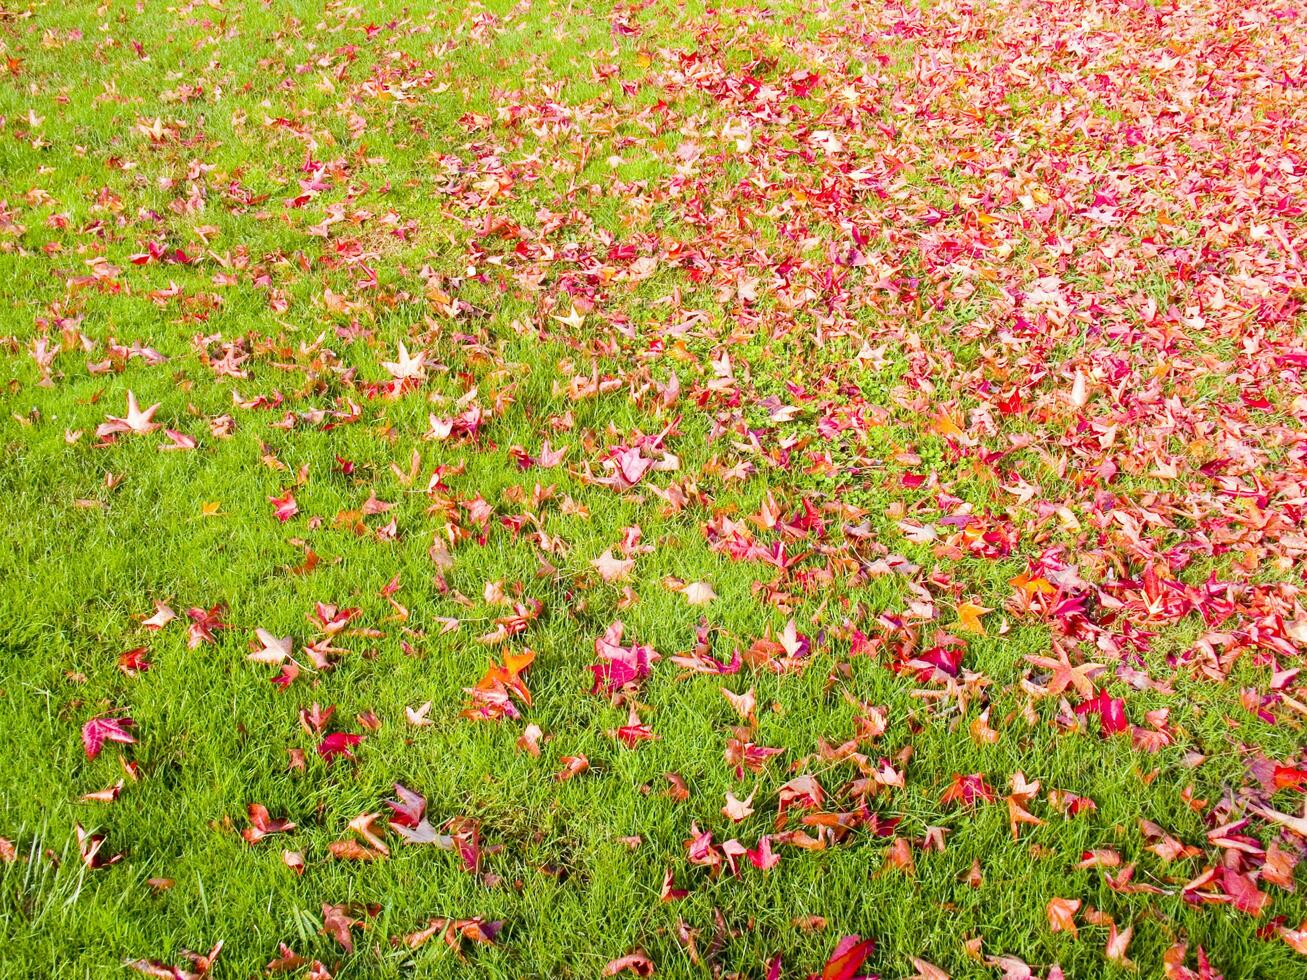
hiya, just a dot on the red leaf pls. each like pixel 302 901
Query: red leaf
pixel 848 958
pixel 1110 711
pixel 338 743
pixel 97 731
pixel 966 790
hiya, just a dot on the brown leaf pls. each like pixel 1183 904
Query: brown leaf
pixel 899 857
pixel 351 850
pixel 337 923
pixel 635 962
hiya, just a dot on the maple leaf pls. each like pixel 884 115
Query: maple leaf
pixel 1079 396
pixel 284 507
pixel 1244 894
pixel 637 962
pixel 803 791
pixel 1110 711
pixel 289 673
pixel 1297 824
pixel 1290 777
pixel 633 732
pixel 969 618
pixel 618 665
pixel 90 845
pixel 1017 815
pixel 137 421
pixel 1013 967
pixel 744 704
pixel 737 810
pixel 407 367
pixel 850 953
pixel 107 795
pixel 409 821
pixel 286 960
pixel 698 593
pixel 1164 845
pixel 163 615
pixel 613 569
pixel 201 965
pixel 746 755
pixel 550 457
pixel 338 744
pixel 529 740
pixel 679 791
pixel 424 833
pixel 262 825
pixel 968 790
pixel 1032 586
pixel 763 857
pixel 351 850
pixel 408 809
pixel 628 467
pixel 927 971
pixel 573 319
pixel 273 649
pixel 981 732
pixel 338 922
pixel 315 719
pixel 573 765
pixel 98 731
pixel 417 717
pixel 1296 938
pixel 293 860
pixel 899 857
pixel 331 619
pixel 491 695
pixel 1061 915
pixel 203 624
pixel 1065 675
pixel 669 892
pixel 1099 858
pixel 1117 939
pixel 365 826
pixel 1117 943
pixel 132 662
pixel 177 441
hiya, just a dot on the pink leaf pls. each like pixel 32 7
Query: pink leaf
pixel 97 731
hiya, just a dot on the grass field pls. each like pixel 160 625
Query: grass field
pixel 753 476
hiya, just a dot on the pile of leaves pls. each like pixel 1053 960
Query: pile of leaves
pixel 634 489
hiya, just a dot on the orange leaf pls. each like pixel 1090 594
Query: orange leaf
pixel 969 618
pixel 1061 915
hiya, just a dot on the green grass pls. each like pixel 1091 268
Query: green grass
pixel 514 118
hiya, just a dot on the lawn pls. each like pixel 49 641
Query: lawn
pixel 564 490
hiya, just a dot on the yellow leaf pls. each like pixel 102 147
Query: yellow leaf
pixel 969 618
pixel 210 508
